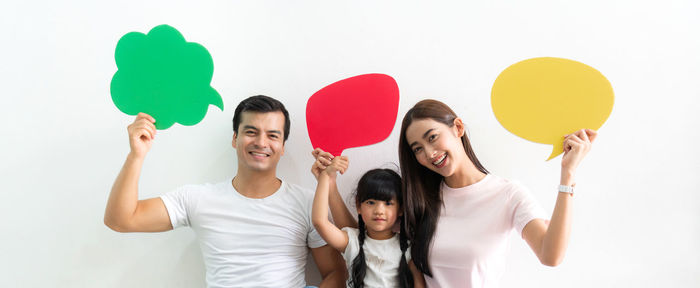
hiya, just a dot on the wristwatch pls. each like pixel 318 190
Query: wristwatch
pixel 567 189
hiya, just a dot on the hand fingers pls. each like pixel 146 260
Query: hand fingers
pixel 575 138
pixel 592 134
pixel 573 142
pixel 583 135
pixel 322 163
pixel 567 146
pixel 142 124
pixel 326 155
pixel 142 115
pixel 141 132
pixel 342 167
pixel 326 161
pixel 316 152
pixel 341 161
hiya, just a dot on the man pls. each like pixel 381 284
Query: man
pixel 253 229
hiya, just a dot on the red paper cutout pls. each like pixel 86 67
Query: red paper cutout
pixel 353 112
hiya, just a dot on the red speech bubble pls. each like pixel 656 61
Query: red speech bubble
pixel 353 112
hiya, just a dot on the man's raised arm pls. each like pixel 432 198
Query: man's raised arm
pixel 124 212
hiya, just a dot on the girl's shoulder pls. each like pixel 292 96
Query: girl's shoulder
pixel 352 232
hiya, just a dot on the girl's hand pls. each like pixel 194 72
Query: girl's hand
pixel 323 159
pixel 338 164
pixel 576 146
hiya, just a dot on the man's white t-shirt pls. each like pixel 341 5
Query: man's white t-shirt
pixel 472 236
pixel 248 242
pixel 382 258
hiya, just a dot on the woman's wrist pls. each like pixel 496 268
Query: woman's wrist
pixel 567 178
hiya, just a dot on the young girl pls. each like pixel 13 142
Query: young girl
pixel 374 254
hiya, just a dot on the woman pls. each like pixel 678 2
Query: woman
pixel 458 216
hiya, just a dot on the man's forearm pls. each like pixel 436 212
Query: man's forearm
pixel 336 278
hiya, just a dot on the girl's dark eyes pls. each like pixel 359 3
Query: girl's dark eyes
pixel 432 137
pixel 417 149
pixel 372 202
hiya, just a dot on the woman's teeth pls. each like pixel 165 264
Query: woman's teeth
pixel 440 160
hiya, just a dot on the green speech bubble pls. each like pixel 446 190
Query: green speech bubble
pixel 163 75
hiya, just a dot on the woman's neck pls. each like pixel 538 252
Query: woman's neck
pixel 467 174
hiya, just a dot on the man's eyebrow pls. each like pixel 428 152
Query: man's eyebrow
pixel 250 127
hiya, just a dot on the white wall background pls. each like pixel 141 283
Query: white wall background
pixel 637 218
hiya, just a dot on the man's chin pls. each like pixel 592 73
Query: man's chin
pixel 260 167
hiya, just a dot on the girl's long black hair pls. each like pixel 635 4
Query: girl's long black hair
pixel 381 185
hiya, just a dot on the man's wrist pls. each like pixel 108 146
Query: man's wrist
pixel 132 156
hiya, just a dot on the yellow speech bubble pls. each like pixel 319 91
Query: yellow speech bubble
pixel 543 99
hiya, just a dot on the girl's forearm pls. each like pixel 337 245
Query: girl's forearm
pixel 341 215
pixel 319 212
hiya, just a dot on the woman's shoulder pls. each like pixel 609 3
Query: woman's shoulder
pixel 506 185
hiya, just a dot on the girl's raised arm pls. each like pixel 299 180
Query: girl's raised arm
pixel 341 215
pixel 335 237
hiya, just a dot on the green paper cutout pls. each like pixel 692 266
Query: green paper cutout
pixel 162 75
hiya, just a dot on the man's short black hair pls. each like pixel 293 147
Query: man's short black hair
pixel 260 104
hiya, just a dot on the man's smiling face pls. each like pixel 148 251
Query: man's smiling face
pixel 259 142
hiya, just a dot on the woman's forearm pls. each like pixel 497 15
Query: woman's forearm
pixel 556 239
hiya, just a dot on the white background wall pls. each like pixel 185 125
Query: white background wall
pixel 637 217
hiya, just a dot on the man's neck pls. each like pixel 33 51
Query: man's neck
pixel 256 185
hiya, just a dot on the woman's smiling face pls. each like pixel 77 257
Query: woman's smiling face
pixel 436 145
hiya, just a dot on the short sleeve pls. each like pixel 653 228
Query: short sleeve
pixel 408 254
pixel 353 247
pixel 314 239
pixel 524 207
pixel 177 202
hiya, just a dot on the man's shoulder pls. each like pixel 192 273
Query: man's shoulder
pixel 194 189
pixel 298 189
pixel 299 193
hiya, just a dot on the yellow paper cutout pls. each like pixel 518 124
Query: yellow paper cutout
pixel 543 99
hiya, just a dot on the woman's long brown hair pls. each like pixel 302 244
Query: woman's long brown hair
pixel 421 186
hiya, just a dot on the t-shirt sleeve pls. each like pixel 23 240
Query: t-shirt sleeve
pixel 177 202
pixel 314 239
pixel 353 247
pixel 524 207
pixel 407 254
